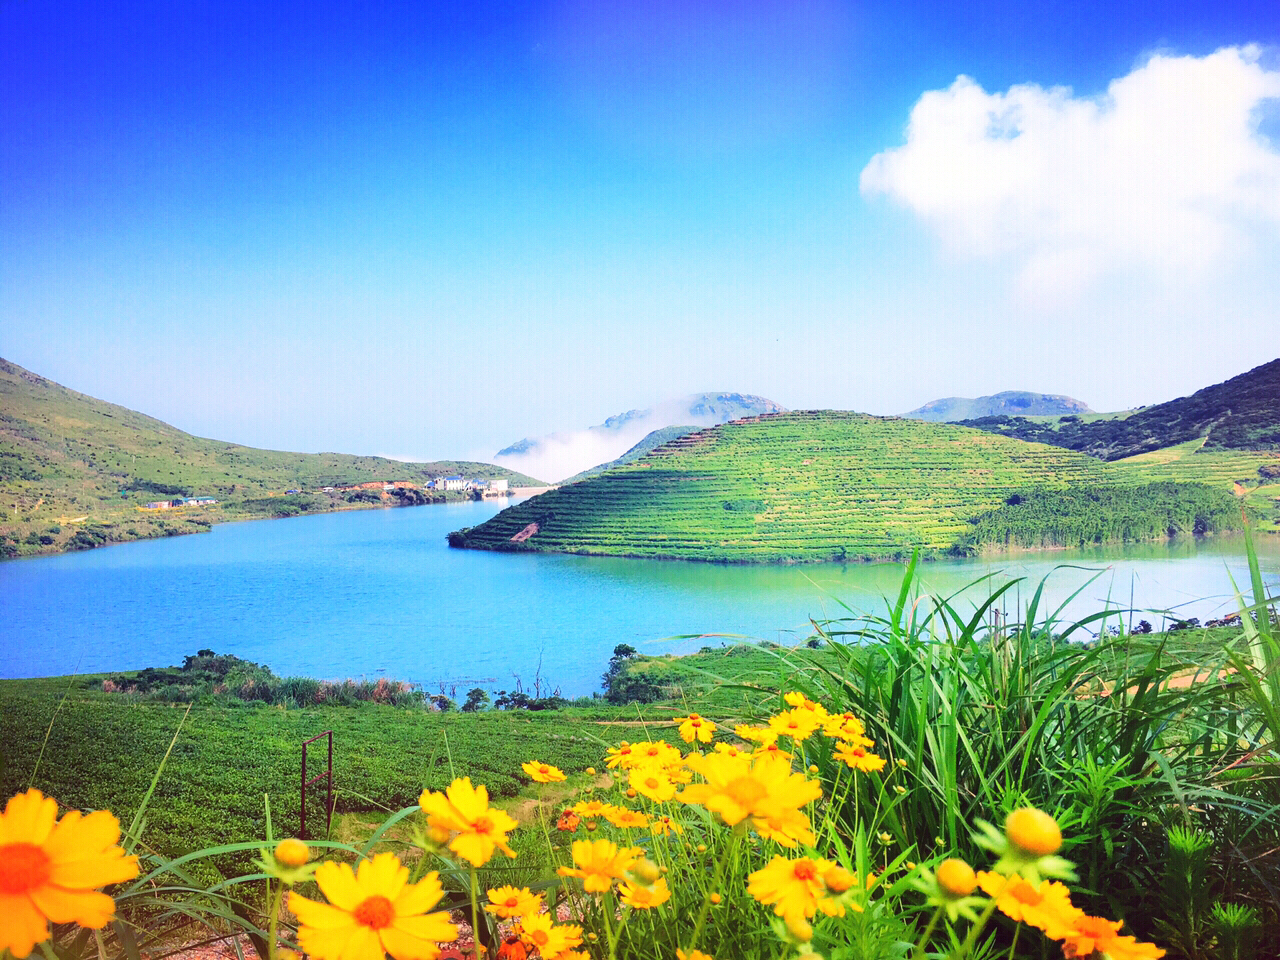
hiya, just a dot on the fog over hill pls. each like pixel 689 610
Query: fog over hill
pixel 557 456
pixel 1008 403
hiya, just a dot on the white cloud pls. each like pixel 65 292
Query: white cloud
pixel 1166 174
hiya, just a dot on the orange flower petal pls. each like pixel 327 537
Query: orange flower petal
pixel 87 908
pixel 24 926
pixel 28 818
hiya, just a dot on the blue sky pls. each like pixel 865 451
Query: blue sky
pixel 426 230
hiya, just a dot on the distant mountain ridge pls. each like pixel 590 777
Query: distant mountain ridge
pixel 1006 403
pixel 564 454
pixel 1242 413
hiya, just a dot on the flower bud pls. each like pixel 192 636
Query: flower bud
pixel 956 878
pixel 799 927
pixel 838 879
pixel 646 871
pixel 1033 832
pixel 292 852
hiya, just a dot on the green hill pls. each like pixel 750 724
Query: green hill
pixel 77 472
pixel 800 486
pixel 1242 413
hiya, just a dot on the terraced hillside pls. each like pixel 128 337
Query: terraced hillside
pixel 75 470
pixel 800 486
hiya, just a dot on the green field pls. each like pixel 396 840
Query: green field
pixel 72 465
pixel 802 486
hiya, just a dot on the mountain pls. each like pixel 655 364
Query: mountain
pixel 1008 403
pixel 649 443
pixel 832 485
pixel 1242 413
pixel 77 471
pixel 560 455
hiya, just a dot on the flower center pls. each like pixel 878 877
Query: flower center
pixel 544 770
pixel 23 867
pixel 651 783
pixel 1024 892
pixel 483 825
pixel 375 912
pixel 512 903
pixel 746 792
pixel 541 937
pixel 804 871
pixel 1096 928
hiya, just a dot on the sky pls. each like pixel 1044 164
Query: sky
pixel 426 230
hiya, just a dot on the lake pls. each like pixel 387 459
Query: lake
pixel 378 592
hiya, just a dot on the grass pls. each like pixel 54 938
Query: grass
pixel 71 464
pixel 809 486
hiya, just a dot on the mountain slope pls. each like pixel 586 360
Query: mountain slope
pixel 813 485
pixel 1242 413
pixel 73 462
pixel 560 455
pixel 1007 403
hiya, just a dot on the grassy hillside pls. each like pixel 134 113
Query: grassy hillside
pixel 792 487
pixel 74 471
pixel 1242 413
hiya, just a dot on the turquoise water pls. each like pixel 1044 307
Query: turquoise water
pixel 374 592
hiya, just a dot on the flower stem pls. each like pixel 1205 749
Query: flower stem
pixel 734 836
pixel 475 916
pixel 273 922
pixel 928 931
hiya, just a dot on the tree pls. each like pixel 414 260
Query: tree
pixel 477 700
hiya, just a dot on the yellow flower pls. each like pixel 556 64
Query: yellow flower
pixel 509 902
pixel 695 728
pixel 372 911
pixel 795 888
pixel 620 756
pixel 292 852
pixel 956 878
pixel 550 939
pixel 662 826
pixel 798 724
pixel 1094 935
pixel 762 787
pixel 591 809
pixel 692 955
pixel 1033 832
pixel 626 817
pixel 799 701
pixel 599 862
pixel 464 811
pixel 653 782
pixel 656 753
pixel 857 758
pixel 644 898
pixel 1046 905
pixel 761 735
pixel 50 869
pixel 543 772
pixel 846 726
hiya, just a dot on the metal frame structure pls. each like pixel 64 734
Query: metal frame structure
pixel 327 775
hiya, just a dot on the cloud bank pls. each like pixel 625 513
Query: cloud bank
pixel 1166 174
pixel 558 456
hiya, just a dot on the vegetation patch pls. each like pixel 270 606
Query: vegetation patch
pixel 1083 516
